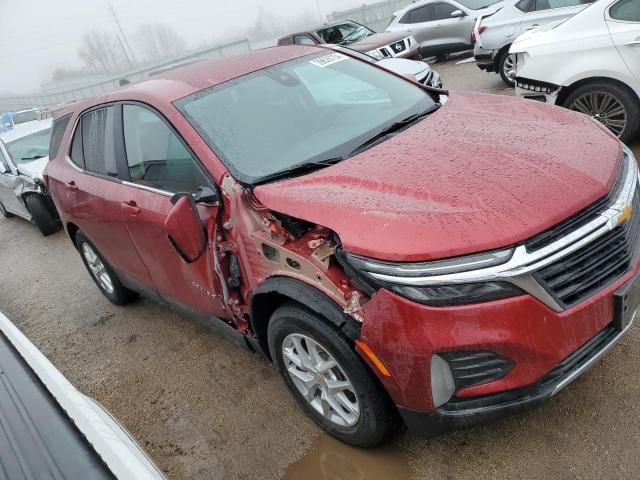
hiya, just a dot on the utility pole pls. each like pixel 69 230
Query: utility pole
pixel 128 52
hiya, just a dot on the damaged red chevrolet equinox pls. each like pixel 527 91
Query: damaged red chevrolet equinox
pixel 359 230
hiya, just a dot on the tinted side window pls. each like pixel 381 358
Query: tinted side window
pixel 156 156
pixel 525 5
pixel 98 142
pixel 442 11
pixel 551 4
pixel 421 14
pixel 626 10
pixel 303 40
pixel 59 126
pixel 76 154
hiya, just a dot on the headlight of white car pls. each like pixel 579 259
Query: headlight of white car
pixel 375 54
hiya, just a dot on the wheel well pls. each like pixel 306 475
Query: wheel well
pixel 277 291
pixel 72 230
pixel 496 61
pixel 566 91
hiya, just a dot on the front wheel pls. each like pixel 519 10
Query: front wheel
pixel 610 104
pixel 102 273
pixel 507 68
pixel 327 377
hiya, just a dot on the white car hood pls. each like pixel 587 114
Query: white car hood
pixel 34 169
pixel 404 67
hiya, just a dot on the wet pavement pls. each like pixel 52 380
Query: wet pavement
pixel 206 409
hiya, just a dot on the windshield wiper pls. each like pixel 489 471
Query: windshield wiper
pixel 29 159
pixel 302 168
pixel 393 128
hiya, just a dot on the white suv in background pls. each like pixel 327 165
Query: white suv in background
pixel 590 63
pixel 495 33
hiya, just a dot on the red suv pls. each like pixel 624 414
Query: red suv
pixel 359 230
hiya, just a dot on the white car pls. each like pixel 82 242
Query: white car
pixel 24 153
pixel 495 33
pixel 590 63
pixel 441 26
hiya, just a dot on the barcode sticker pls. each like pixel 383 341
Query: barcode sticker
pixel 327 60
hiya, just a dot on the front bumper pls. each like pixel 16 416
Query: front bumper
pixel 465 413
pixel 537 90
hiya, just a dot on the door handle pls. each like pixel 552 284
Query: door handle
pixel 71 186
pixel 634 43
pixel 131 207
pixel 535 25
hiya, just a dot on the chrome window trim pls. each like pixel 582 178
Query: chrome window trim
pixel 147 188
pixel 520 268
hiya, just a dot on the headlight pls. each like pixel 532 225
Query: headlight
pixel 399 278
pixel 375 54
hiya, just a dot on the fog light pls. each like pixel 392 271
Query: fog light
pixel 442 384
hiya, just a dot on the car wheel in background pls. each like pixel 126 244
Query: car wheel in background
pixel 507 68
pixel 41 214
pixel 610 104
pixel 327 377
pixel 4 213
pixel 102 273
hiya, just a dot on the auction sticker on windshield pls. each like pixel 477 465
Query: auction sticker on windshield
pixel 327 60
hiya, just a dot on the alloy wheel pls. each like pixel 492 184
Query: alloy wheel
pixel 604 107
pixel 97 268
pixel 509 68
pixel 321 380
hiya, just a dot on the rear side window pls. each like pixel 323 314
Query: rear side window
pixel 526 5
pixel 156 156
pixel 59 127
pixel 626 10
pixel 303 40
pixel 551 4
pixel 98 143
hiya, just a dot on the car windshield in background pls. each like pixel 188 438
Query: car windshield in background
pixel 29 148
pixel 477 4
pixel 25 117
pixel 344 33
pixel 311 110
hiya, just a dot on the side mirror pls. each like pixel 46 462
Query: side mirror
pixel 458 14
pixel 206 195
pixel 184 228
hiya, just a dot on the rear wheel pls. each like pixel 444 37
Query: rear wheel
pixel 102 273
pixel 610 104
pixel 4 213
pixel 327 377
pixel 40 211
pixel 507 68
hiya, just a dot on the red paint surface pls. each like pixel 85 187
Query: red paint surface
pixel 405 335
pixel 481 173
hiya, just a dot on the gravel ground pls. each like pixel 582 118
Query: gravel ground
pixel 206 409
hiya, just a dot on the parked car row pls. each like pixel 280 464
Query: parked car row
pixel 351 224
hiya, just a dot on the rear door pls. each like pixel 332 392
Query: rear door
pixel 624 26
pixel 159 165
pixel 8 182
pixel 93 192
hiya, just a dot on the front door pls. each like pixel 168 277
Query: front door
pixel 160 165
pixel 624 26
pixel 9 181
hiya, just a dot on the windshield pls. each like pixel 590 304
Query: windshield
pixel 344 34
pixel 24 117
pixel 29 148
pixel 477 4
pixel 319 107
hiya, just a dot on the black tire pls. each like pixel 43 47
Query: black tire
pixel 377 416
pixel 622 95
pixel 502 60
pixel 120 294
pixel 4 213
pixel 40 210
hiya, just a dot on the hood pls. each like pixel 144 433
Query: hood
pixel 35 168
pixel 405 67
pixel 481 173
pixel 378 40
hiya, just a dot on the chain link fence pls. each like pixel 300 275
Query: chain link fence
pixel 8 104
pixel 375 16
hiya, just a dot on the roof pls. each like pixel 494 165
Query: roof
pixel 25 129
pixel 183 81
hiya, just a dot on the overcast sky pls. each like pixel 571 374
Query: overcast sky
pixel 40 35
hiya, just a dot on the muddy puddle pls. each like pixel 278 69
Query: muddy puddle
pixel 331 460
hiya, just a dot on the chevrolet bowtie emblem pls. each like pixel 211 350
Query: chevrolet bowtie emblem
pixel 625 216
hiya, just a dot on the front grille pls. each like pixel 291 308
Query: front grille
pixel 398 47
pixel 595 266
pixel 581 219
